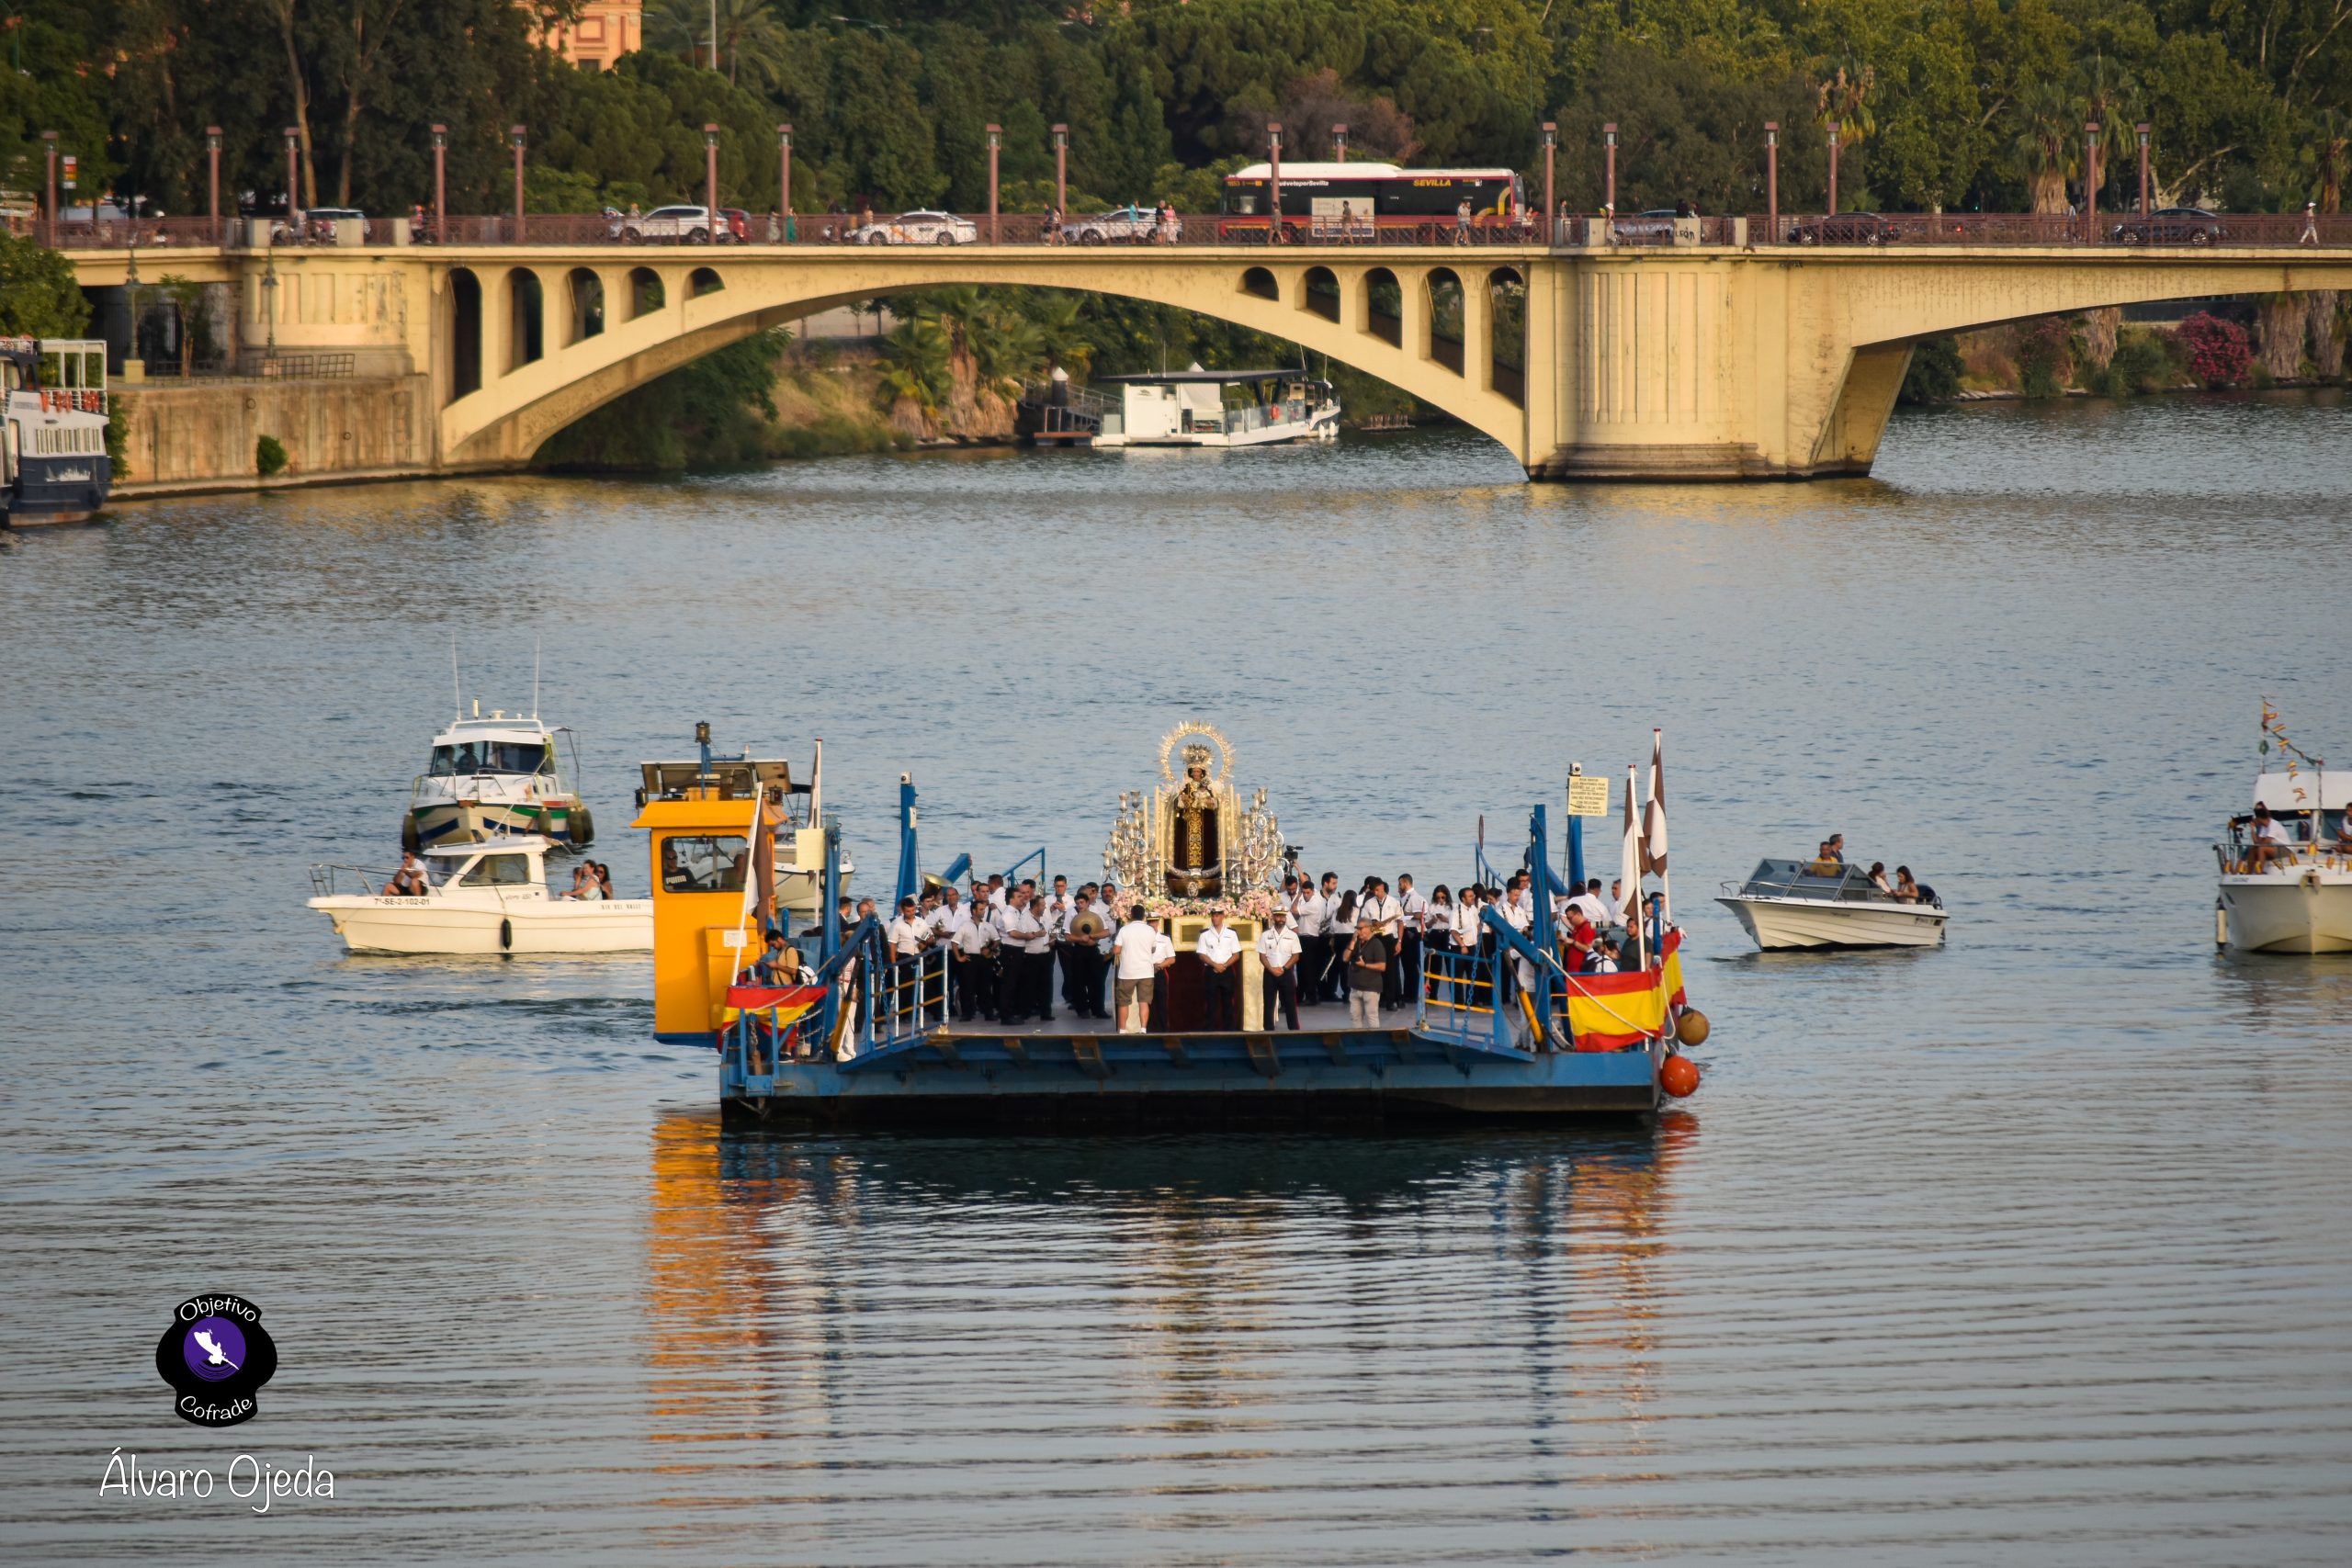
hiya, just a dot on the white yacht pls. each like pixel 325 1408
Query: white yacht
pixel 1791 903
pixel 493 777
pixel 483 898
pixel 1183 408
pixel 2301 899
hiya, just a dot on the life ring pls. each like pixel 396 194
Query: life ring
pixel 505 935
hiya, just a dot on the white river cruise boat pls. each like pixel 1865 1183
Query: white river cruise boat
pixel 493 777
pixel 1791 903
pixel 483 898
pixel 1184 408
pixel 53 462
pixel 2296 897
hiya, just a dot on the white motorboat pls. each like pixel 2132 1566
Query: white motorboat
pixel 1185 408
pixel 485 897
pixel 1789 903
pixel 493 777
pixel 2301 899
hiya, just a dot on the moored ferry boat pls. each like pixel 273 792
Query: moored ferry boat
pixel 54 461
pixel 2286 866
pixel 836 1024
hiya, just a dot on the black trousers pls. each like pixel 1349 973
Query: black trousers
pixel 1335 968
pixel 1408 968
pixel 972 987
pixel 1279 991
pixel 1015 989
pixel 1222 987
pixel 1037 984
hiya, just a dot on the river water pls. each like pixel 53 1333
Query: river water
pixel 2037 1249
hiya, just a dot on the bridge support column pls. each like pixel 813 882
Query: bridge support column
pixel 1849 436
pixel 1413 315
pixel 1478 328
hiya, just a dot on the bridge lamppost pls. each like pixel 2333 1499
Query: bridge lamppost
pixel 1061 169
pixel 710 178
pixel 516 134
pixel 2091 181
pixel 1609 179
pixel 1772 181
pixel 2142 130
pixel 293 215
pixel 1274 181
pixel 1338 144
pixel 1551 152
pixel 996 138
pixel 440 183
pixel 49 209
pixel 784 177
pixel 1832 168
pixel 213 202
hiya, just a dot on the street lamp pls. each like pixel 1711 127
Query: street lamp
pixel 1772 180
pixel 2143 128
pixel 1062 168
pixel 1338 144
pixel 49 213
pixel 515 134
pixel 270 299
pixel 212 151
pixel 293 141
pixel 784 175
pixel 710 177
pixel 996 138
pixel 1609 185
pixel 440 183
pixel 1832 168
pixel 1551 152
pixel 2090 180
pixel 1274 167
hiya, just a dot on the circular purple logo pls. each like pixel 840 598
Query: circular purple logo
pixel 214 1349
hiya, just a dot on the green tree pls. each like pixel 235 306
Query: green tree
pixel 40 295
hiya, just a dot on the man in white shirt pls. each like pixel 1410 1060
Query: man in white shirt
pixel 1278 956
pixel 1135 951
pixel 909 933
pixel 1408 953
pixel 1319 982
pixel 970 970
pixel 1589 903
pixel 1024 989
pixel 1057 911
pixel 1163 959
pixel 1220 952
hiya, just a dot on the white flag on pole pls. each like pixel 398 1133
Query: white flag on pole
pixel 1654 820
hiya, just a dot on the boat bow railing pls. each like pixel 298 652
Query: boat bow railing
pixel 329 880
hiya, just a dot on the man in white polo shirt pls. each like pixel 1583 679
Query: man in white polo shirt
pixel 1135 951
pixel 1278 956
pixel 1220 952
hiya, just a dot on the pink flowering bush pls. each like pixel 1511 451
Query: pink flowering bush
pixel 2217 352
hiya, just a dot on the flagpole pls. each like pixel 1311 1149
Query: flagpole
pixel 1657 803
pixel 1631 869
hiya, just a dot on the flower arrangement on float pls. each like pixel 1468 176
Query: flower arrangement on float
pixel 1257 904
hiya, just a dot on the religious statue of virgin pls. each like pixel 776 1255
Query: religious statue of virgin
pixel 1198 871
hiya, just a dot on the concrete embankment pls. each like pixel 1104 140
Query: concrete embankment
pixel 203 435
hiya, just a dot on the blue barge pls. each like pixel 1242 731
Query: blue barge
pixel 857 1036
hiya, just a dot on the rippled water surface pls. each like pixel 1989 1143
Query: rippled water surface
pixel 2035 1250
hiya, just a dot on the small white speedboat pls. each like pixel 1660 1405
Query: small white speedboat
pixel 1790 903
pixel 2300 901
pixel 486 897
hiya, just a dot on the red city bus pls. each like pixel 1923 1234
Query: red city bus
pixel 1368 201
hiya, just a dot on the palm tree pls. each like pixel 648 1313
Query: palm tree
pixel 2109 94
pixel 916 353
pixel 1843 100
pixel 2048 126
pixel 750 35
pixel 2332 136
pixel 1059 317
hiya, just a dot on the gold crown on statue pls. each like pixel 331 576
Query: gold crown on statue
pixel 1197 755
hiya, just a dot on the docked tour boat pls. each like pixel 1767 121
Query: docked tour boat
pixel 493 776
pixel 484 898
pixel 53 462
pixel 1789 903
pixel 837 1028
pixel 2301 899
pixel 1185 408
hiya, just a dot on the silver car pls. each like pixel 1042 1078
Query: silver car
pixel 917 229
pixel 1131 225
pixel 673 225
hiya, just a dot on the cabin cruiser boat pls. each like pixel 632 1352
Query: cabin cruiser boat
pixel 1184 408
pixel 493 777
pixel 2300 901
pixel 483 898
pixel 53 462
pixel 1828 903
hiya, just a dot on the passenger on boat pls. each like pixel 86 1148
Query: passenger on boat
pixel 1381 915
pixel 1278 953
pixel 1408 951
pixel 1135 949
pixel 971 969
pixel 410 881
pixel 1589 904
pixel 1367 963
pixel 780 964
pixel 1163 959
pixel 1343 938
pixel 1617 901
pixel 1833 849
pixel 1906 891
pixel 1220 952
pixel 909 934
pixel 2268 841
pixel 1878 877
pixel 1582 941
pixel 1311 911
pixel 1027 958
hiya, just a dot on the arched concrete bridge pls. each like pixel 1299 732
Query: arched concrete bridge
pixel 1688 363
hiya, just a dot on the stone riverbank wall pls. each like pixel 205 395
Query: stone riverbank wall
pixel 204 434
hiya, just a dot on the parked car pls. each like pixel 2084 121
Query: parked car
pixel 1131 224
pixel 667 225
pixel 1654 227
pixel 2172 226
pixel 917 229
pixel 1845 229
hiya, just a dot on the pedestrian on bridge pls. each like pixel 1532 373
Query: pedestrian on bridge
pixel 2311 224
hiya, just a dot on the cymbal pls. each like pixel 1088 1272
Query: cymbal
pixel 1088 925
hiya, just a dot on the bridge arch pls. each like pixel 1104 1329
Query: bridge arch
pixel 527 338
pixel 759 291
pixel 1507 332
pixel 1447 304
pixel 645 292
pixel 1383 307
pixel 587 291
pixel 464 341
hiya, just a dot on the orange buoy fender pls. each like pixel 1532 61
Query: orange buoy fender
pixel 1692 1027
pixel 1678 1075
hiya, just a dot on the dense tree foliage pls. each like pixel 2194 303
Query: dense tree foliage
pixel 1952 103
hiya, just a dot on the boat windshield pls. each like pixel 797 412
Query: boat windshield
pixel 492 757
pixel 699 863
pixel 499 871
pixel 1810 879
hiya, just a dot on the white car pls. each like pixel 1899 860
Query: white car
pixel 673 224
pixel 1130 225
pixel 917 229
